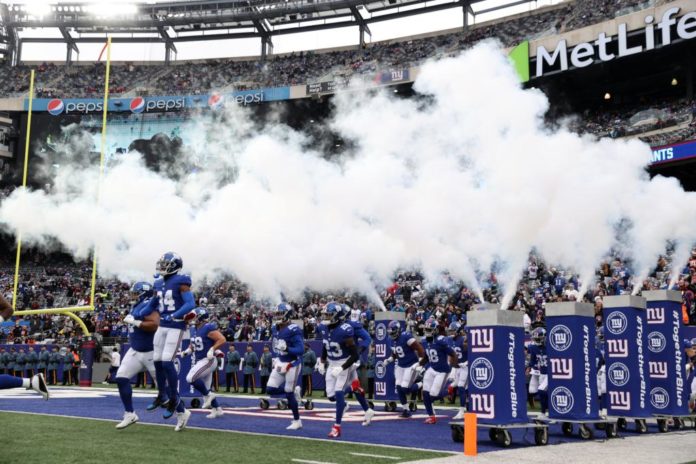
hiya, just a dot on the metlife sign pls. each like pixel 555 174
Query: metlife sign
pixel 58 106
pixel 673 25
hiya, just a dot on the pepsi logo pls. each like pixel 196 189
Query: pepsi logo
pixel 215 101
pixel 55 107
pixel 137 105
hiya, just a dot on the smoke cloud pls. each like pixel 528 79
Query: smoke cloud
pixel 462 179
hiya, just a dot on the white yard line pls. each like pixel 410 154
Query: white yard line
pixel 311 462
pixel 378 456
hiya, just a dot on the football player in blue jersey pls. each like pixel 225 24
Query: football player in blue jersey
pixel 363 340
pixel 407 351
pixel 176 305
pixel 460 374
pixel 538 367
pixel 142 321
pixel 341 352
pixel 441 356
pixel 36 382
pixel 288 348
pixel 601 370
pixel 205 347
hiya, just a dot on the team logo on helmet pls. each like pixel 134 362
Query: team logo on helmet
pixel 659 398
pixel 656 342
pixel 137 105
pixel 562 400
pixel 618 374
pixel 215 101
pixel 617 322
pixel 481 373
pixel 55 107
pixel 560 338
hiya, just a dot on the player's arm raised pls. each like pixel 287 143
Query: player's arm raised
pixel 5 309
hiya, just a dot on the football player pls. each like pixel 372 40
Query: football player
pixel 441 356
pixel 205 345
pixel 363 341
pixel 36 382
pixel 601 370
pixel 407 351
pixel 176 304
pixel 142 321
pixel 460 374
pixel 341 353
pixel 288 348
pixel 538 367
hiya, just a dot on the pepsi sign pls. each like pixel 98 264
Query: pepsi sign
pixel 137 105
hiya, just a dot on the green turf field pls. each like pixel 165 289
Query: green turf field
pixel 57 440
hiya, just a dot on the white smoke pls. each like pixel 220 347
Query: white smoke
pixel 464 179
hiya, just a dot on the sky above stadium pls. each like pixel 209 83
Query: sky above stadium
pixel 386 30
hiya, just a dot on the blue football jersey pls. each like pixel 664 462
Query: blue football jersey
pixel 201 342
pixel 362 340
pixel 294 343
pixel 139 339
pixel 538 359
pixel 170 299
pixel 405 355
pixel 438 351
pixel 459 348
pixel 335 342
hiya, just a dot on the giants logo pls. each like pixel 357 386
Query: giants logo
pixel 655 315
pixel 617 348
pixel 562 400
pixel 560 338
pixel 562 368
pixel 483 405
pixel 658 369
pixel 481 340
pixel 380 350
pixel 656 342
pixel 381 332
pixel 659 398
pixel 481 373
pixel 380 388
pixel 618 374
pixel 380 370
pixel 620 400
pixel 617 323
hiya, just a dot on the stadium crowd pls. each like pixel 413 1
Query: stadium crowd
pixel 55 81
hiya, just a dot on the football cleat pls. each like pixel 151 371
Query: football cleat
pixel 128 419
pixel 405 413
pixel 369 414
pixel 295 425
pixel 215 412
pixel 335 431
pixel 460 414
pixel 158 403
pixel 207 400
pixel 182 419
pixel 430 420
pixel 38 384
pixel 171 409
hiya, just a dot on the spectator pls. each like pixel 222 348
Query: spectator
pixel 250 362
pixel 233 360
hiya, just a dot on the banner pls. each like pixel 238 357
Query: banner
pixel 57 106
pixel 669 395
pixel 670 153
pixel 385 387
pixel 625 335
pixel 322 87
pixel 87 353
pixel 393 76
pixel 572 372
pixel 497 391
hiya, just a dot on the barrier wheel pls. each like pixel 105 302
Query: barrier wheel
pixel 493 434
pixel 621 423
pixel 309 405
pixel 641 426
pixel 585 432
pixel 195 403
pixel 264 404
pixel 457 433
pixel 504 438
pixel 567 428
pixel 282 404
pixel 412 406
pixel 678 424
pixel 600 426
pixel 661 425
pixel 541 436
pixel 611 431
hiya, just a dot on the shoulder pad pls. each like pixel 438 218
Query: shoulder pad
pixel 183 279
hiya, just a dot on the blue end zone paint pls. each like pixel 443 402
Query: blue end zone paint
pixel 244 415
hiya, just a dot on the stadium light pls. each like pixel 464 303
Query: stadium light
pixel 674 81
pixel 38 9
pixel 111 9
pixel 607 96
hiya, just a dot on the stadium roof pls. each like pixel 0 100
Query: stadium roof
pixel 169 22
